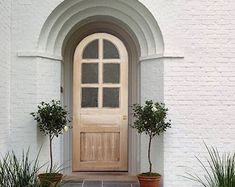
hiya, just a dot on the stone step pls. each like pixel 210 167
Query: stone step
pixel 100 180
pixel 87 183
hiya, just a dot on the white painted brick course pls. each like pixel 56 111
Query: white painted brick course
pixel 5 29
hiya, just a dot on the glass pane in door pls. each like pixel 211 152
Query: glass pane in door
pixel 111 97
pixel 110 50
pixel 89 97
pixel 90 73
pixel 91 50
pixel 111 73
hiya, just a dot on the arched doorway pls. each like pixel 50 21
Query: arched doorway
pixel 114 30
pixel 100 104
pixel 133 24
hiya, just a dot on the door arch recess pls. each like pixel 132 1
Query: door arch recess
pixel 72 20
pixel 100 24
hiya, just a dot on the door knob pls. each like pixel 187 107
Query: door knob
pixel 124 117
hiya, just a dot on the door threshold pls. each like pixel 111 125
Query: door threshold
pixel 100 176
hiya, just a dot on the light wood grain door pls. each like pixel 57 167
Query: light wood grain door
pixel 100 104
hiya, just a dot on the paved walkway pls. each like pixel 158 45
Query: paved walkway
pixel 87 183
pixel 100 180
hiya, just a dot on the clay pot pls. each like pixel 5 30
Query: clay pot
pixel 50 179
pixel 149 181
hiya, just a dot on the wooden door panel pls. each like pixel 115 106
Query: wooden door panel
pixel 100 118
pixel 100 147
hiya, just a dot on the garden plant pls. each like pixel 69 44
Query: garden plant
pixel 19 172
pixel 219 170
pixel 150 119
pixel 52 120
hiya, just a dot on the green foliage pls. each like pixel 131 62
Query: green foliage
pixel 16 172
pixel 51 118
pixel 219 173
pixel 151 118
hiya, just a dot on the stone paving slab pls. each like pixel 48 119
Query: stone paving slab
pixel 100 180
pixel 87 183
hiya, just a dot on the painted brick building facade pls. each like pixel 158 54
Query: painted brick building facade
pixel 191 68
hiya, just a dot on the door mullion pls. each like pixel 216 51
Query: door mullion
pixel 100 101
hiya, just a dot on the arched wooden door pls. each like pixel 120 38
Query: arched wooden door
pixel 100 104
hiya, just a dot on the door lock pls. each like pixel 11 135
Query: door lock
pixel 124 117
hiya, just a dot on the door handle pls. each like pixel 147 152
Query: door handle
pixel 124 117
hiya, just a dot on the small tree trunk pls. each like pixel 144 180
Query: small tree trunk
pixel 51 164
pixel 149 155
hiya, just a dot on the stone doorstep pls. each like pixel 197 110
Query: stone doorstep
pixel 103 176
pixel 100 180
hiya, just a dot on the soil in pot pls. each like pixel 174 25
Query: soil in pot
pixel 149 181
pixel 50 179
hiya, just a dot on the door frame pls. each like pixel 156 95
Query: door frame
pixel 80 113
pixel 133 89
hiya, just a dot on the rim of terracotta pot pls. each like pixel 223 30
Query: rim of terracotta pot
pixel 54 176
pixel 157 178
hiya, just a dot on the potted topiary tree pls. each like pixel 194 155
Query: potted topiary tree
pixel 150 119
pixel 52 120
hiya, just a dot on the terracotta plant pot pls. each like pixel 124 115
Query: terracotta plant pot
pixel 50 179
pixel 149 181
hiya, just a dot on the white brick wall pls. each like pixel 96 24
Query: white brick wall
pixel 199 90
pixel 29 17
pixel 48 88
pixel 5 21
pixel 32 80
pixel 152 88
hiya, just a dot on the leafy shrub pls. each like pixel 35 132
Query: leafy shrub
pixel 151 120
pixel 52 119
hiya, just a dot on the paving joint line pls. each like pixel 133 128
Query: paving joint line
pixel 83 183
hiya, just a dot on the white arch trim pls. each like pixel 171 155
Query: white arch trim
pixel 71 12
